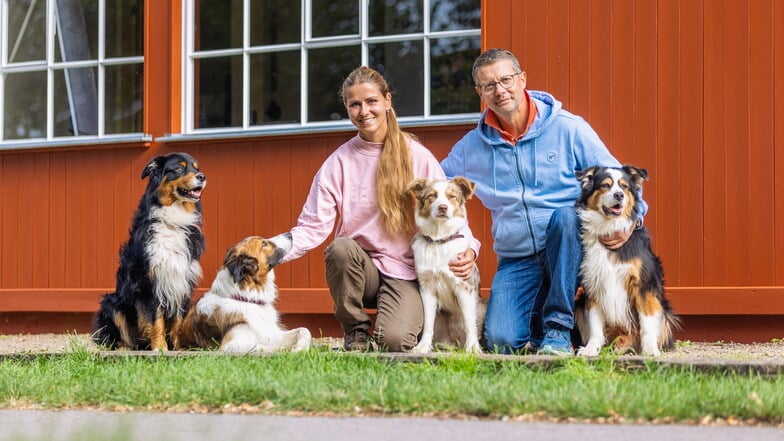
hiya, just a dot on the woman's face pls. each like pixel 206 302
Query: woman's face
pixel 367 109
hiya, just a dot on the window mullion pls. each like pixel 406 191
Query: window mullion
pixel 245 64
pixel 303 79
pixel 188 85
pixel 51 22
pixel 426 54
pixel 101 73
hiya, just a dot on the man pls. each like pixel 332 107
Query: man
pixel 523 155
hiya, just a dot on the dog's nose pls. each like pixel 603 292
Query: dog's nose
pixel 442 209
pixel 200 177
pixel 618 195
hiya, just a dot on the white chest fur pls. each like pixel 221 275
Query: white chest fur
pixel 604 277
pixel 172 266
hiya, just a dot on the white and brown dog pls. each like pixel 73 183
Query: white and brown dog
pixel 453 310
pixel 238 312
pixel 624 288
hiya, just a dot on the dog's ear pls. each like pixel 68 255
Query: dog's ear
pixel 466 186
pixel 638 175
pixel 240 265
pixel 586 176
pixel 416 186
pixel 154 167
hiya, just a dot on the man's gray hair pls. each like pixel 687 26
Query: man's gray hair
pixel 491 56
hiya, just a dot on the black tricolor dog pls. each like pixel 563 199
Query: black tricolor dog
pixel 624 289
pixel 159 264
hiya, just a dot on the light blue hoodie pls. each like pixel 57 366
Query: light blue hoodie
pixel 521 185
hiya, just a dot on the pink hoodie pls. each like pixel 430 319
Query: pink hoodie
pixel 345 187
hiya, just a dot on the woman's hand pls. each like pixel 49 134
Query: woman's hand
pixel 463 264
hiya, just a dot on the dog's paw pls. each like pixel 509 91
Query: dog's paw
pixel 422 349
pixel 651 352
pixel 473 348
pixel 588 351
pixel 303 340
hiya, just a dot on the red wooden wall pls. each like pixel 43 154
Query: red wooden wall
pixel 691 90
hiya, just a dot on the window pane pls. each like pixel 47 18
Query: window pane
pixel 402 65
pixel 24 113
pixel 218 25
pixel 335 17
pixel 387 17
pixel 327 68
pixel 124 28
pixel 452 88
pixel 453 15
pixel 124 99
pixel 218 89
pixel 274 88
pixel 75 102
pixel 274 22
pixel 26 41
pixel 77 30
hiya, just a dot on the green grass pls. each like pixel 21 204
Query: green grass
pixel 320 381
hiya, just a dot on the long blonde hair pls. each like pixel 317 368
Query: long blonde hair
pixel 395 170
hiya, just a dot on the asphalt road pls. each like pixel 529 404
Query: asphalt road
pixel 33 425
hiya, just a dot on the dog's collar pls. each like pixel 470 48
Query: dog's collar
pixel 443 239
pixel 241 298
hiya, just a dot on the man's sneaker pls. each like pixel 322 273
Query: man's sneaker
pixel 358 340
pixel 557 341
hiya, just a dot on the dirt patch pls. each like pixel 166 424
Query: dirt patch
pixel 52 343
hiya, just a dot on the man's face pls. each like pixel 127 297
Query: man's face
pixel 493 80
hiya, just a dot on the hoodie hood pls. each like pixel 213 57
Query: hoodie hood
pixel 547 110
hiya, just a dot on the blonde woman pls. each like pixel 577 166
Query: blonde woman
pixel 361 185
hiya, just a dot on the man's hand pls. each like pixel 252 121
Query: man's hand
pixel 463 264
pixel 615 240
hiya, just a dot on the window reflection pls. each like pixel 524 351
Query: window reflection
pixel 218 25
pixel 326 70
pixel 334 17
pixel 75 102
pixel 402 64
pixel 388 17
pixel 124 100
pixel 274 88
pixel 77 25
pixel 124 36
pixel 451 84
pixel 218 89
pixel 26 30
pixel 454 15
pixel 274 22
pixel 24 115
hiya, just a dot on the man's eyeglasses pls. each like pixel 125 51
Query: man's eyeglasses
pixel 506 82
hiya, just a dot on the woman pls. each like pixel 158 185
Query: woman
pixel 362 183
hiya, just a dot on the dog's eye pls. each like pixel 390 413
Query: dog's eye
pixel 605 186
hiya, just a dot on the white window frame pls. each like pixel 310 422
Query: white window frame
pixel 49 65
pixel 307 42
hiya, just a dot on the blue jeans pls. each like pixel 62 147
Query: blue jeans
pixel 530 294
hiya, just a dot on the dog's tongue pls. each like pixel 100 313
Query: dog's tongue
pixel 196 194
pixel 616 211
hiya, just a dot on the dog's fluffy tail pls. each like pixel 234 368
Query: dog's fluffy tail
pixel 671 324
pixel 105 331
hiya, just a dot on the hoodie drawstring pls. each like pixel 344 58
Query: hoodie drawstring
pixel 536 169
pixel 495 192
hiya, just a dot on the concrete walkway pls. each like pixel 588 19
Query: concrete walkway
pixel 107 426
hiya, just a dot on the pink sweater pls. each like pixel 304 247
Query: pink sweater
pixel 344 191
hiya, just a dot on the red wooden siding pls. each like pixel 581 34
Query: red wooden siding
pixel 693 91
